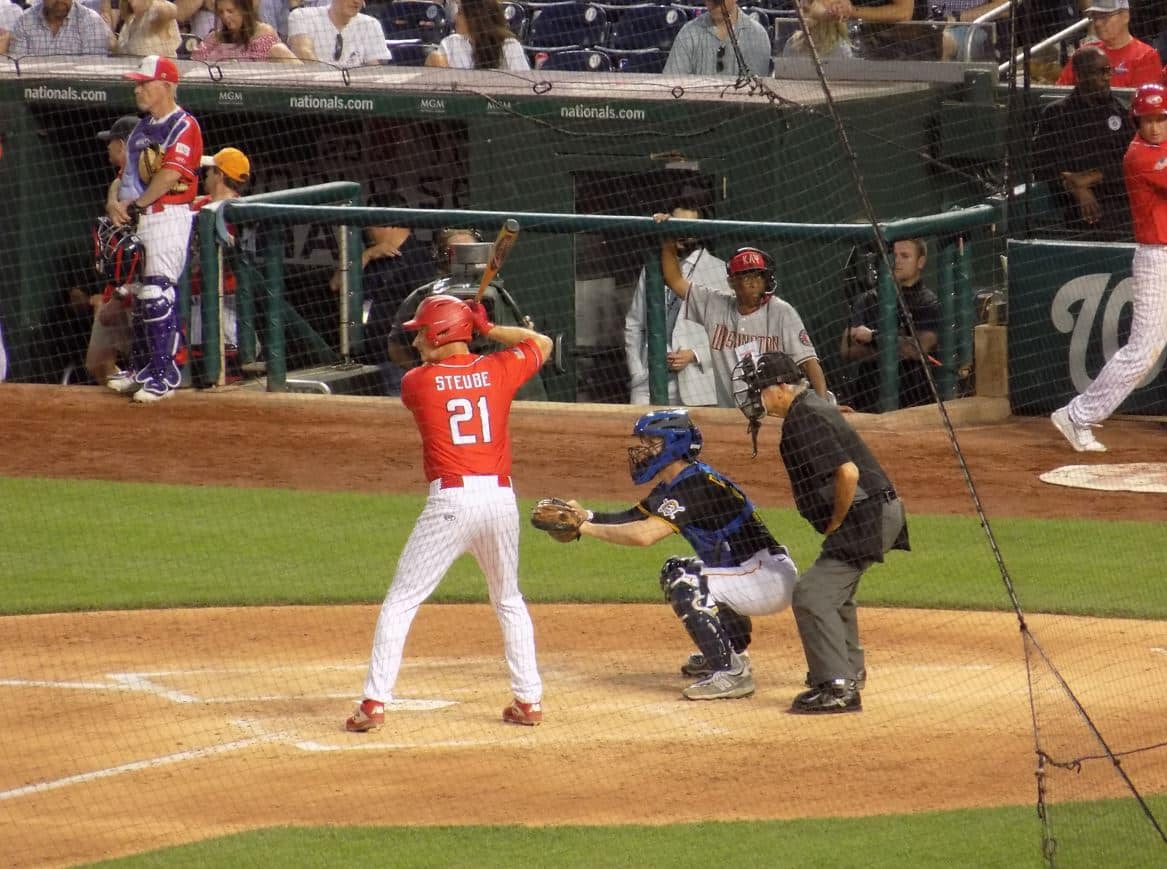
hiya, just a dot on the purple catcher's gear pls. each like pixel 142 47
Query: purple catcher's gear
pixel 154 308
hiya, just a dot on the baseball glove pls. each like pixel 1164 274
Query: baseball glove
pixel 557 518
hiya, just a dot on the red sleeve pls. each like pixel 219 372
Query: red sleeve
pixel 186 149
pixel 1149 69
pixel 1067 75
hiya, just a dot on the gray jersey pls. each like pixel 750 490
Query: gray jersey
pixel 775 326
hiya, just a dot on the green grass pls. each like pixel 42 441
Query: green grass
pixel 1001 838
pixel 94 545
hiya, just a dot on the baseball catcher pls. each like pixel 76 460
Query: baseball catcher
pixel 558 518
pixel 739 571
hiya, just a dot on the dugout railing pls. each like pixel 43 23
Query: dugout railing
pixel 955 290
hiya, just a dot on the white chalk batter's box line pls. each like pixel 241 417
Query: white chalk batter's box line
pixel 142 682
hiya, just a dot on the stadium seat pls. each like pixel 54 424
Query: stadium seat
pixel 574 60
pixel 644 60
pixel 517 18
pixel 765 17
pixel 406 52
pixel 412 19
pixel 567 25
pixel 646 27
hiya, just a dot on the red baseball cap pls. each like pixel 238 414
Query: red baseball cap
pixel 155 68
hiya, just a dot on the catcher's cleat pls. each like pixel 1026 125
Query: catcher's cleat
pixel 838 695
pixel 149 395
pixel 123 382
pixel 722 685
pixel 1080 437
pixel 697 667
pixel 527 714
pixel 369 716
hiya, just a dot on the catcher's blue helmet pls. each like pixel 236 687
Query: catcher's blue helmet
pixel 679 439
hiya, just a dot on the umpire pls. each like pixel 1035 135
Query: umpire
pixel 841 490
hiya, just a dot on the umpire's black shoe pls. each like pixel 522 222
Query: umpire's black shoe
pixel 839 695
pixel 860 678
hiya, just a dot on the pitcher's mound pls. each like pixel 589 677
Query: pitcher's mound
pixel 1150 477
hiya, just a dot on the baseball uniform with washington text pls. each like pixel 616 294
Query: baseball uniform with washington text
pixel 461 406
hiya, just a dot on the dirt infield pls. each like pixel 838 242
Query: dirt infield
pixel 187 724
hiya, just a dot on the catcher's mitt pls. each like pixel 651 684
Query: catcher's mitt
pixel 557 518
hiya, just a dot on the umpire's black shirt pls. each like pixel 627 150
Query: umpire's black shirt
pixel 816 440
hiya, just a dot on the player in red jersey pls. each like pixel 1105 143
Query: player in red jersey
pixel 461 404
pixel 1145 169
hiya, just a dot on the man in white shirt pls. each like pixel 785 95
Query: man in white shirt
pixel 337 34
pixel 691 379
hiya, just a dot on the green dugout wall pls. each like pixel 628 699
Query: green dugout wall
pixel 411 140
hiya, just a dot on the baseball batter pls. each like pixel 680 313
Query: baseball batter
pixel 461 404
pixel 1145 170
pixel 752 321
pixel 157 186
pixel 740 569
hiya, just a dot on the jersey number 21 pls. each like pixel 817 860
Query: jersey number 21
pixel 462 415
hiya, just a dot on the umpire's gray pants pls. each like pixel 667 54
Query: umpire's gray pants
pixel 824 609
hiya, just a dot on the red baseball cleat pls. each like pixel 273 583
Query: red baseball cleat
pixel 369 716
pixel 527 714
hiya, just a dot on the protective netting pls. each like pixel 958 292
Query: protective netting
pixel 889 169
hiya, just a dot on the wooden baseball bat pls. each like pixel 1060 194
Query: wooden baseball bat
pixel 498 254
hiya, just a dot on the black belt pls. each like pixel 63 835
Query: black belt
pixel 885 495
pixel 779 549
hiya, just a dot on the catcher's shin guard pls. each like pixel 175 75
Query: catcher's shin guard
pixel 737 627
pixel 155 309
pixel 688 593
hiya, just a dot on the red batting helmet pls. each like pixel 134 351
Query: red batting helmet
pixel 751 259
pixel 1150 99
pixel 445 319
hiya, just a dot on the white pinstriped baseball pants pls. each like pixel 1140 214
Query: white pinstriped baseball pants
pixel 481 518
pixel 1123 371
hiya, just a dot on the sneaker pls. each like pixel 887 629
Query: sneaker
pixel 1080 437
pixel 369 716
pixel 123 382
pixel 527 714
pixel 150 394
pixel 838 695
pixel 698 668
pixel 860 680
pixel 722 685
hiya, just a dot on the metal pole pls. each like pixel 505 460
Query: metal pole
pixel 277 364
pixel 946 376
pixel 209 277
pixel 888 341
pixel 345 347
pixel 654 324
pixel 965 307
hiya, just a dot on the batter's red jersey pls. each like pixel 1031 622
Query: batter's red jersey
pixel 1134 64
pixel 462 407
pixel 1145 169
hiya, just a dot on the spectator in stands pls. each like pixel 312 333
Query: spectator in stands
pixel 827 31
pixel 9 13
pixel 861 339
pixel 751 320
pixel 703 46
pixel 481 39
pixel 1079 147
pixel 337 34
pixel 1134 62
pixel 145 27
pixel 196 17
pixel 959 13
pixel 111 334
pixel 691 382
pixel 60 27
pixel 887 30
pixel 240 35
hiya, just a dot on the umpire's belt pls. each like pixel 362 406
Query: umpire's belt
pixel 885 495
pixel 455 482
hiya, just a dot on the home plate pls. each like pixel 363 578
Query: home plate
pixel 1149 477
